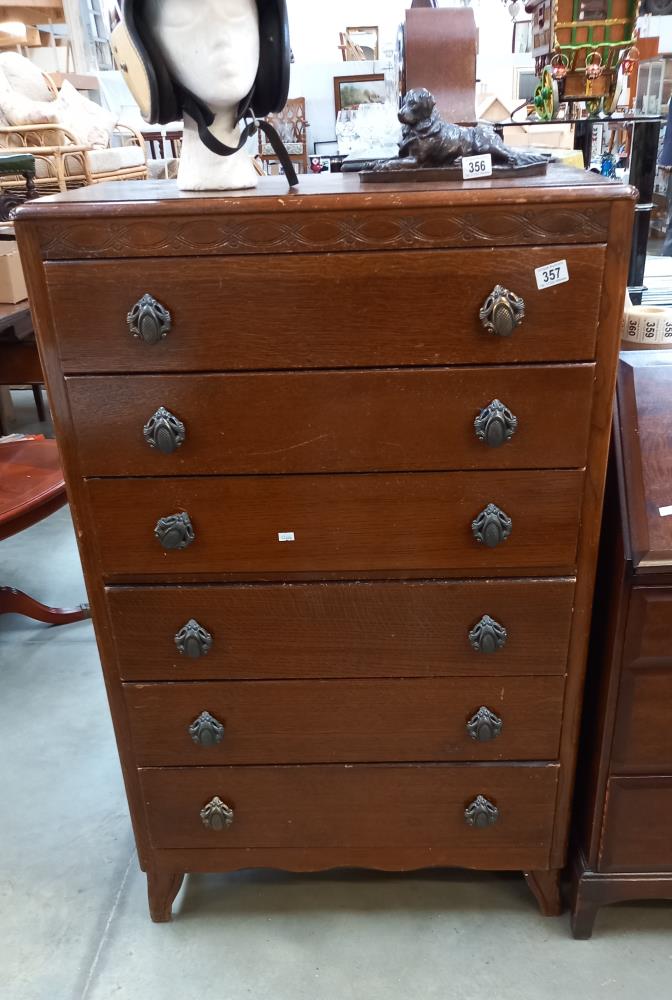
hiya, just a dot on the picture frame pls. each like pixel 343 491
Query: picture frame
pixel 362 88
pixel 522 43
pixel 366 38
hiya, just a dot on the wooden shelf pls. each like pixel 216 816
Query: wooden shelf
pixel 33 11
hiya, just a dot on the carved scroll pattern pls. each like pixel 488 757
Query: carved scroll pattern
pixel 320 231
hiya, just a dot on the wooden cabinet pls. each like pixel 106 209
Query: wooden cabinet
pixel 336 464
pixel 624 838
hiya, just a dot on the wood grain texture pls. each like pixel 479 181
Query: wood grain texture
pixel 341 523
pixel 637 823
pixel 611 310
pixel 594 889
pixel 333 421
pixel 610 616
pixel 263 232
pixel 326 214
pixel 642 740
pixel 622 848
pixel 46 339
pixel 545 887
pixel 345 310
pixel 361 629
pixel 294 722
pixel 361 806
pixel 162 888
pixel 645 388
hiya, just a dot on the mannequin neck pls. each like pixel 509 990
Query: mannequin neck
pixel 202 170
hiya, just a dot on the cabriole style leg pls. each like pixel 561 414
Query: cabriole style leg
pixel 545 887
pixel 162 888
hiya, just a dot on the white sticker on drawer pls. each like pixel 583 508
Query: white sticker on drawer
pixel 476 166
pixel 285 536
pixel 551 274
pixel 665 511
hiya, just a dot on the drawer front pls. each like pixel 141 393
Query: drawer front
pixel 333 421
pixel 323 630
pixel 637 823
pixel 356 523
pixel 359 806
pixel 293 722
pixel 642 737
pixel 345 310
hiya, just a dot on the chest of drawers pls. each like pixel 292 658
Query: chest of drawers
pixel 336 466
pixel 623 846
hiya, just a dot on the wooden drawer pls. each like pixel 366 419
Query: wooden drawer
pixel 341 310
pixel 294 722
pixel 636 827
pixel 356 523
pixel 333 421
pixel 381 629
pixel 360 806
pixel 642 736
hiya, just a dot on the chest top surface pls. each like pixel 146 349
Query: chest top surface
pixel 645 424
pixel 324 214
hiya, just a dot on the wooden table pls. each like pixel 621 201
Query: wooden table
pixel 19 359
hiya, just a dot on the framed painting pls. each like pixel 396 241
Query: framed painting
pixel 352 91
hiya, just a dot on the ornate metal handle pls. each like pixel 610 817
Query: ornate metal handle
pixel 216 815
pixel 484 725
pixel 164 431
pixel 193 640
pixel 206 730
pixel 481 812
pixel 492 526
pixel 175 531
pixel 487 636
pixel 148 320
pixel 495 424
pixel 502 312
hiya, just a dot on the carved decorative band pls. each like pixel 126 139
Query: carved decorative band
pixel 322 231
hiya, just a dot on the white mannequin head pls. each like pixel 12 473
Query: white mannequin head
pixel 211 48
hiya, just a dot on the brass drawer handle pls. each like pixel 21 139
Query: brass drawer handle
pixel 164 431
pixel 484 725
pixel 206 730
pixel 216 815
pixel 175 531
pixel 148 320
pixel 502 312
pixel 481 812
pixel 495 424
pixel 487 636
pixel 193 640
pixel 492 526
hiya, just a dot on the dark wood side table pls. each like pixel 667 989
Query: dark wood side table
pixel 31 488
pixel 19 359
pixel 624 848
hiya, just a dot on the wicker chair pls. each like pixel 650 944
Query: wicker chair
pixel 61 162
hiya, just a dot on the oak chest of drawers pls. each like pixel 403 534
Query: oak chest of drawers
pixel 336 464
pixel 623 842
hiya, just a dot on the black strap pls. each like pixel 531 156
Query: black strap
pixel 279 150
pixel 204 118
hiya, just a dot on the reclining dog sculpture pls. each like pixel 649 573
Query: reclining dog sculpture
pixel 428 141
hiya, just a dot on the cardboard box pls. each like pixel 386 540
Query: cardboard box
pixel 12 282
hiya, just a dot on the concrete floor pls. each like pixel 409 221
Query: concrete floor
pixel 73 914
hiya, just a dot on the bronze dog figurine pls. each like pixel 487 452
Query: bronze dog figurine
pixel 428 141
